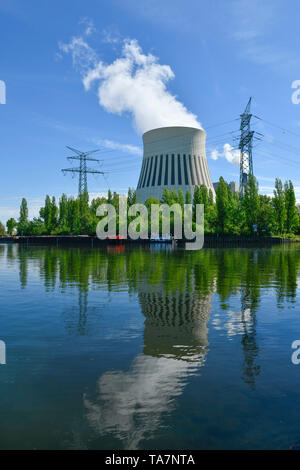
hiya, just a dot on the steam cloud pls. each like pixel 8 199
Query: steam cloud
pixel 134 83
pixel 232 155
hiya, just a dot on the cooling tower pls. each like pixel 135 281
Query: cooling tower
pixel 174 158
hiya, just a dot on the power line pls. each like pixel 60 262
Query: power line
pixel 278 127
pixel 83 170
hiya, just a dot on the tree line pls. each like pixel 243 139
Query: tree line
pixel 228 213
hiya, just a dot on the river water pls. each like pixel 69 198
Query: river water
pixel 149 348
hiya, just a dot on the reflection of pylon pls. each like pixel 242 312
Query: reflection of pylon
pixel 245 146
pixel 82 303
pixel 83 170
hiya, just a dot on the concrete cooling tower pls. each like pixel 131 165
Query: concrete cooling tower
pixel 174 158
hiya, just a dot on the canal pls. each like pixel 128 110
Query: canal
pixel 149 347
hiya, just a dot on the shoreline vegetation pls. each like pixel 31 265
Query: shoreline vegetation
pixel 255 216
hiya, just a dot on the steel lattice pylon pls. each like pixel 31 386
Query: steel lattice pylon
pixel 245 146
pixel 83 170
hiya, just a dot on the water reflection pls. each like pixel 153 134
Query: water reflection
pixel 175 291
pixel 130 404
pixel 250 348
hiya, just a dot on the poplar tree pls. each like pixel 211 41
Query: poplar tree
pixel 23 219
pixel 292 219
pixel 251 204
pixel 222 205
pixel 279 206
pixel 63 214
pixel 45 213
pixel 54 215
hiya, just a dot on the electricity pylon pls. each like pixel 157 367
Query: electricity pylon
pixel 83 170
pixel 245 146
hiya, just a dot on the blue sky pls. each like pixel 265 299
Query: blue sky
pixel 62 63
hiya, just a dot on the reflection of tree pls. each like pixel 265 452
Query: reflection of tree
pixel 23 266
pixel 11 253
pixel 174 290
pixel 76 318
pixel 2 250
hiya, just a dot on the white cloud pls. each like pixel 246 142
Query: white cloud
pixel 134 83
pixel 89 25
pixel 215 154
pixel 83 56
pixel 111 36
pixel 111 144
pixel 13 210
pixel 232 155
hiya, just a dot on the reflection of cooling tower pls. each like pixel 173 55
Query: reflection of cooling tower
pixel 175 324
pixel 174 158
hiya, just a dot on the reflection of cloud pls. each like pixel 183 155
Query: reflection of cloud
pixel 130 404
pixel 232 323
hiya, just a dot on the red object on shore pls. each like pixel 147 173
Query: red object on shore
pixel 117 237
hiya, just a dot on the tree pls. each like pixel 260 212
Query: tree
pixel 222 204
pixel 181 198
pixel 251 204
pixel 2 229
pixel 11 224
pixel 131 197
pixel 45 214
pixel 201 197
pixel 265 219
pixel 279 206
pixel 74 216
pixel 63 214
pixel 109 197
pixel 292 219
pixel 23 219
pixel 54 215
pixel 210 197
pixel 236 214
pixel 188 197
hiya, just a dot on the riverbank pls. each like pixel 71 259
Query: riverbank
pixel 86 240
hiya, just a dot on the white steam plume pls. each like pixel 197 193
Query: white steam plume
pixel 134 83
pixel 232 155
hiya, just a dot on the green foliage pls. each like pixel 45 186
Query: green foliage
pixel 23 218
pixel 265 218
pixel 222 206
pixel 279 207
pixel 2 229
pixel 11 224
pixel 188 197
pixel 250 205
pixel 292 219
pixel 228 214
